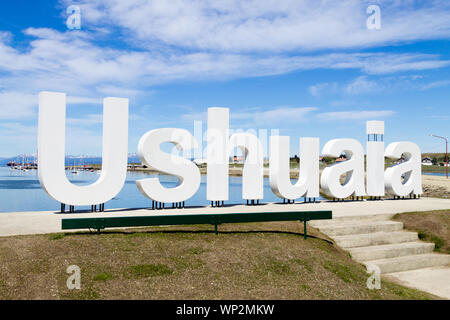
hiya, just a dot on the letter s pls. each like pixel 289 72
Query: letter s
pixel 186 171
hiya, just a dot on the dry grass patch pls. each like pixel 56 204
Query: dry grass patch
pixel 432 226
pixel 245 261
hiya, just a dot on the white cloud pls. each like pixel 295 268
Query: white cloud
pixel 368 85
pixel 260 116
pixel 355 115
pixel 362 85
pixel 15 136
pixel 254 25
pixel 436 84
pixel 22 105
pixel 443 117
pixel 88 120
pixel 359 85
pixel 75 64
pixel 321 88
pixel 125 48
pixel 16 105
pixel 274 116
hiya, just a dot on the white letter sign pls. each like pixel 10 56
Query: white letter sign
pixel 353 167
pixel 186 171
pixel 307 184
pixel 404 178
pixel 51 151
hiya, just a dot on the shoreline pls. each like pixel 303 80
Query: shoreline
pixel 436 186
pixel 433 185
pixel 41 222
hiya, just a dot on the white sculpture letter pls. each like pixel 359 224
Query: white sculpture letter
pixel 307 184
pixel 353 166
pixel 217 154
pixel 375 158
pixel 218 150
pixel 253 171
pixel 51 151
pixel 411 169
pixel 186 171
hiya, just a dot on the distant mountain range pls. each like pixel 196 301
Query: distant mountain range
pixel 70 159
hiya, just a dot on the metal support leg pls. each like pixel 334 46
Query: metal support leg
pixel 215 229
pixel 304 230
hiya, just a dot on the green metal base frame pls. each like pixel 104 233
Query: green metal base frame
pixel 186 219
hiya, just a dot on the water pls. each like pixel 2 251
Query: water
pixel 442 174
pixel 21 191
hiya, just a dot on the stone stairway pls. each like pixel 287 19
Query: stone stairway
pixel 376 240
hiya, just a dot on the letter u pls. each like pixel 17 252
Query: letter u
pixel 51 151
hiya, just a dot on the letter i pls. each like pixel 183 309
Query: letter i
pixel 375 158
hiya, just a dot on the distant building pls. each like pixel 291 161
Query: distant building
pixel 427 161
pixel 237 159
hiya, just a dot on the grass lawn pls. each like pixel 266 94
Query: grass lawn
pixel 245 261
pixel 432 226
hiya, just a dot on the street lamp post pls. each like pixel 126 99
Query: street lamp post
pixel 446 151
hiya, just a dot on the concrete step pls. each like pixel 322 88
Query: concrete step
pixel 412 262
pixel 360 228
pixel 386 251
pixel 375 239
pixel 351 218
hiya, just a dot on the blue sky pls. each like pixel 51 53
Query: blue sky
pixel 306 68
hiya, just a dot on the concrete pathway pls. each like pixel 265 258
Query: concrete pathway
pixel 38 222
pixel 434 280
